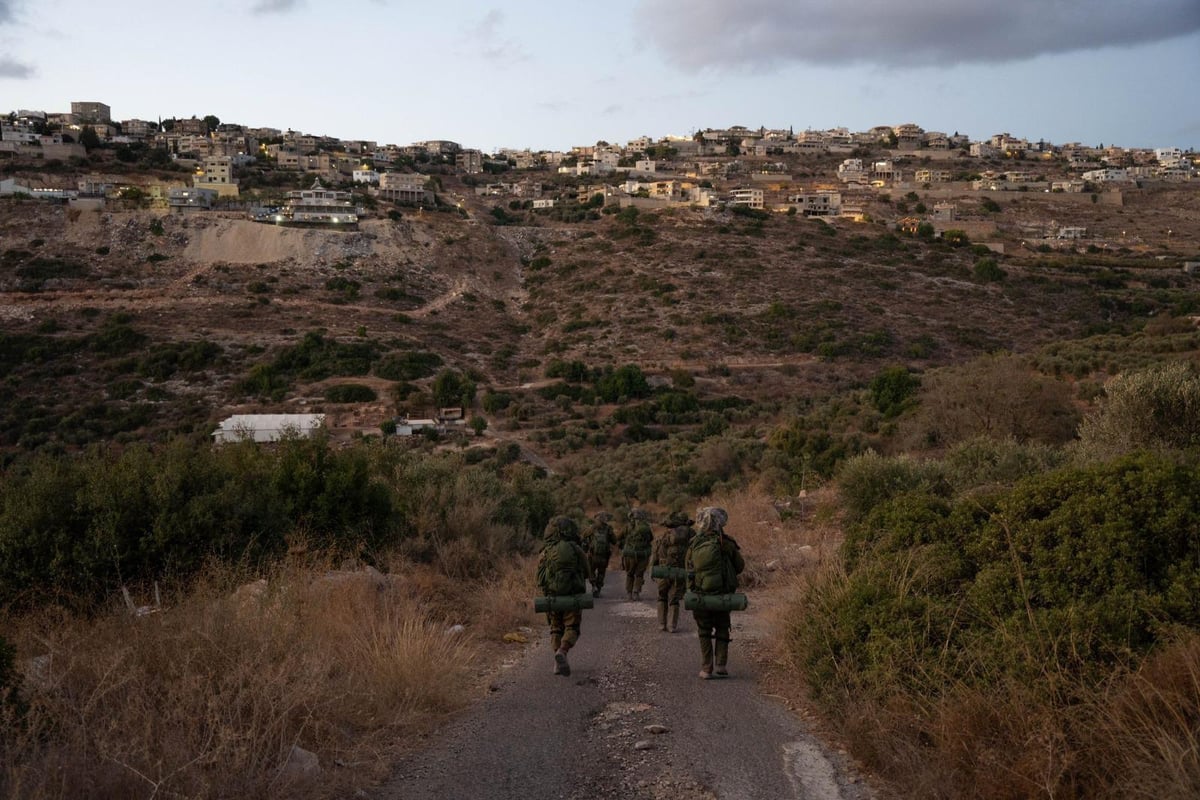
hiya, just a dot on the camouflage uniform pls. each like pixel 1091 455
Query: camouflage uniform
pixel 598 562
pixel 564 625
pixel 713 626
pixel 635 552
pixel 670 550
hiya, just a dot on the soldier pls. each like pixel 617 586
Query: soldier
pixel 562 570
pixel 597 543
pixel 635 552
pixel 713 563
pixel 670 550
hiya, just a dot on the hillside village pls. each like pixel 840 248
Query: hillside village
pixel 945 388
pixel 85 157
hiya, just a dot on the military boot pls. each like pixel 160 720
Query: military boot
pixel 561 667
pixel 721 648
pixel 555 643
pixel 706 655
pixel 662 615
pixel 674 618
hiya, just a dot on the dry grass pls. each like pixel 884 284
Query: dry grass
pixel 784 537
pixel 209 696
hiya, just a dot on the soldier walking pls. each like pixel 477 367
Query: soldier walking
pixel 562 571
pixel 670 550
pixel 713 562
pixel 597 543
pixel 635 552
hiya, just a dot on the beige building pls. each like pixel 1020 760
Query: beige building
pixel 89 112
pixel 217 174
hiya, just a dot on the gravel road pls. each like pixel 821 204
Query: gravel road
pixel 632 721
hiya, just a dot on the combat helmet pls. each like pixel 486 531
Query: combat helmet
pixel 676 519
pixel 711 519
pixel 561 527
pixel 639 515
pixel 603 516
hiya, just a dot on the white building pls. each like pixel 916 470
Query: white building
pixel 746 197
pixel 851 171
pixel 267 427
pixel 366 176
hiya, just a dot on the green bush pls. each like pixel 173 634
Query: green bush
pixel 350 393
pixel 409 366
pixel 76 527
pixel 893 390
pixel 1071 572
pixel 868 480
pixel 1156 408
pixel 986 269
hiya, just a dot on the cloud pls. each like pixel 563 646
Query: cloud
pixel 14 69
pixel 7 11
pixel 486 41
pixel 275 6
pixel 759 34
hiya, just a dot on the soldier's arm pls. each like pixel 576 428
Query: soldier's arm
pixel 735 556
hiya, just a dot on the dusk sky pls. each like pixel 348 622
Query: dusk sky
pixel 550 75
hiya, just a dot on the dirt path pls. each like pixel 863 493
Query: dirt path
pixel 589 736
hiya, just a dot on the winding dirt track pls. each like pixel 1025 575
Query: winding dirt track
pixel 537 735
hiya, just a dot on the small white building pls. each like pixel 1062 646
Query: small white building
pixel 410 427
pixel 267 427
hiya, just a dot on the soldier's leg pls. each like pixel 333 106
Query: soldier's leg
pixel 628 563
pixel 639 577
pixel 678 587
pixel 556 634
pixel 705 628
pixel 721 642
pixel 664 591
pixel 571 622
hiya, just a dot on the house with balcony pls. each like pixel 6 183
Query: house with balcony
pixel 746 196
pixel 931 175
pixel 1107 175
pixel 884 170
pixel 139 128
pixel 184 199
pixel 817 204
pixel 469 161
pixel 851 171
pixel 404 187
pixel 909 136
pixel 216 173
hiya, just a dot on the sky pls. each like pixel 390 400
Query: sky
pixel 549 75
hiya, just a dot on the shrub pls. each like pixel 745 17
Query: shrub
pixel 409 366
pixel 1060 579
pixel 893 389
pixel 869 480
pixel 997 396
pixel 350 393
pixel 1156 408
pixel 986 269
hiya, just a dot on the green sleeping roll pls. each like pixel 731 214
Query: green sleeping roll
pixel 565 602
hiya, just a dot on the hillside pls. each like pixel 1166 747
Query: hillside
pixel 99 304
pixel 960 460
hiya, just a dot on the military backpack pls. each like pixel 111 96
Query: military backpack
pixel 712 569
pixel 558 570
pixel 638 541
pixel 599 543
